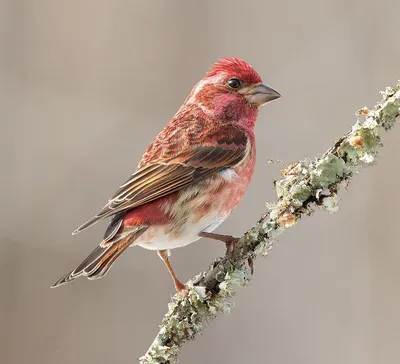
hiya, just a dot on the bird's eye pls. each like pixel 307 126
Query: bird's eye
pixel 234 83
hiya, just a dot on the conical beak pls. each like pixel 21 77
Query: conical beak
pixel 261 94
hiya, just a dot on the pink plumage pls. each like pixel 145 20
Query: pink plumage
pixel 192 175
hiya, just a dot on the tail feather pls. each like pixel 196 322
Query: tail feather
pixel 99 262
pixel 101 266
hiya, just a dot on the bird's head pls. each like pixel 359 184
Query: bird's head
pixel 231 90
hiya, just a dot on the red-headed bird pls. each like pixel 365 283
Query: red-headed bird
pixel 191 176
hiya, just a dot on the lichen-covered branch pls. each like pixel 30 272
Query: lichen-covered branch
pixel 304 185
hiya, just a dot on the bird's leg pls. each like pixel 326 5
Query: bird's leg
pixel 179 286
pixel 229 240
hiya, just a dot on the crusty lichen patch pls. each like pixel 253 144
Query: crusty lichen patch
pixel 328 170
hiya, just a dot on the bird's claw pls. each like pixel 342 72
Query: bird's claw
pixel 230 244
pixel 182 289
pixel 251 264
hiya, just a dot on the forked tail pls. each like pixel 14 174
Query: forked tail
pixel 99 262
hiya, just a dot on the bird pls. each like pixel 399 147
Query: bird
pixel 190 178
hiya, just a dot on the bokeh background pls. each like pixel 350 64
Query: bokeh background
pixel 86 85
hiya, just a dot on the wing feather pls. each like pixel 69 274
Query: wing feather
pixel 168 175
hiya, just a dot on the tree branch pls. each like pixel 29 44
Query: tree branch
pixel 305 185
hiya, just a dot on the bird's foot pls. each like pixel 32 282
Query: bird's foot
pixel 251 264
pixel 230 243
pixel 182 289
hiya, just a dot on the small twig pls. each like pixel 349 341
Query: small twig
pixel 304 185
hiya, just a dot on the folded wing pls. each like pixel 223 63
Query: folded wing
pixel 225 147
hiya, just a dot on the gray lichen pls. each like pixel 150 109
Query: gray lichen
pixel 328 170
pixel 304 186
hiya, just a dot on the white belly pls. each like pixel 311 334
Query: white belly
pixel 157 237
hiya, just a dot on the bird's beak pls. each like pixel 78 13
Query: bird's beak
pixel 260 94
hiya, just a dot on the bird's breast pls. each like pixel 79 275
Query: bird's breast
pixel 211 199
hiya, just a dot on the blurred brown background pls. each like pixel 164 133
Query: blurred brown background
pixel 86 85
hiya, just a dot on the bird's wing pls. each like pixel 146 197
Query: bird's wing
pixel 168 167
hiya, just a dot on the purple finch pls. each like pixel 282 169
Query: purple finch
pixel 191 176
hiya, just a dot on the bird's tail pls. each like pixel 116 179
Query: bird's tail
pixel 99 262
